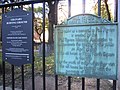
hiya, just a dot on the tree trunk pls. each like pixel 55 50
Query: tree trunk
pixel 52 16
pixel 107 9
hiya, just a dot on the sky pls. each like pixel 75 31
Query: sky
pixel 77 4
pixel 76 8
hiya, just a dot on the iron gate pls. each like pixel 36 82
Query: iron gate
pixel 3 6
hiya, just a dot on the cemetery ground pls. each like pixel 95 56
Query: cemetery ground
pixel 76 82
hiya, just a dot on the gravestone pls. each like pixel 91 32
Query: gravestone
pixel 48 49
pixel 86 46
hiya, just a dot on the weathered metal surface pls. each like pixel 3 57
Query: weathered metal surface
pixel 118 10
pixel 85 19
pixel 85 49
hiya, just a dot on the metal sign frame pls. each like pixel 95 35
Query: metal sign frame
pixel 72 58
pixel 17 37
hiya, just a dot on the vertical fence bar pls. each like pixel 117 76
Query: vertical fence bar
pixel 116 10
pixel 56 82
pixel 69 15
pixel 56 13
pixel 118 18
pixel 115 20
pixel 3 62
pixel 33 82
pixel 12 67
pixel 99 14
pixel 56 16
pixel 22 71
pixel 114 84
pixel 83 6
pixel 44 81
pixel 98 84
pixel 83 83
pixel 69 8
pixel 99 7
pixel 22 67
pixel 83 11
pixel 33 76
pixel 13 81
pixel 69 83
pixel 3 66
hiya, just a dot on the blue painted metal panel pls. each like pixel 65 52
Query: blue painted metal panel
pixel 17 37
pixel 87 50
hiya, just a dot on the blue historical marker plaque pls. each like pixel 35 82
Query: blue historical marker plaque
pixel 86 46
pixel 17 37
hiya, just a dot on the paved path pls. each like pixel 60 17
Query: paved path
pixel 63 84
pixel 8 88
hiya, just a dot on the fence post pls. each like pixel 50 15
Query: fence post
pixel 118 44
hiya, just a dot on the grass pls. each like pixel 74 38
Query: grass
pixel 49 62
pixel 38 65
pixel 38 70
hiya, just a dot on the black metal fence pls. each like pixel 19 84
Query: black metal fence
pixel 23 67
